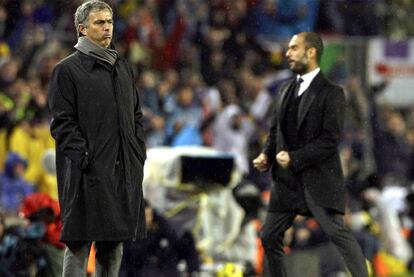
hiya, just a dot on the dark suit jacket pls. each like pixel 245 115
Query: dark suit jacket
pixel 316 164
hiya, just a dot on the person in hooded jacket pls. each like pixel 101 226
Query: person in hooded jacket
pixel 100 149
pixel 13 188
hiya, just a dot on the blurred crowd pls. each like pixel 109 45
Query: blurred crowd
pixel 206 72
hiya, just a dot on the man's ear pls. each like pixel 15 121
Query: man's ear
pixel 312 52
pixel 82 29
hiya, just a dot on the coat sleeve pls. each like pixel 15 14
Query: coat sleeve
pixel 139 128
pixel 65 128
pixel 326 144
pixel 138 116
pixel 275 139
pixel 270 145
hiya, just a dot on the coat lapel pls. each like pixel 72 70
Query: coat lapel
pixel 309 96
pixel 281 108
pixel 281 104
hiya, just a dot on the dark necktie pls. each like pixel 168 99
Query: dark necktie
pixel 297 87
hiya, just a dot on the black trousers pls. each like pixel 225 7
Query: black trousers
pixel 332 224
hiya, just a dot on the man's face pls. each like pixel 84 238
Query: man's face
pixel 297 55
pixel 19 170
pixel 99 28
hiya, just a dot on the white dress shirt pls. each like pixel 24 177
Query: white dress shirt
pixel 307 79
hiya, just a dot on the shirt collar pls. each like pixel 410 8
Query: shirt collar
pixel 308 77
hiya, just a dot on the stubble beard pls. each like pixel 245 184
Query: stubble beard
pixel 301 66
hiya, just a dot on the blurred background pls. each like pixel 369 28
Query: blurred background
pixel 206 72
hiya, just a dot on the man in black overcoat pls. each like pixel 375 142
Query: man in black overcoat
pixel 302 152
pixel 100 150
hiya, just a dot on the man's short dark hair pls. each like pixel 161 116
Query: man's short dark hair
pixel 313 40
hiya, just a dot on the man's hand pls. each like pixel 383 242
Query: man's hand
pixel 283 159
pixel 261 163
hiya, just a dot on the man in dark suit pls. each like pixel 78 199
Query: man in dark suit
pixel 302 152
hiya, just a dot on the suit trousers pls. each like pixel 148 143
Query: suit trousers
pixel 331 223
pixel 108 258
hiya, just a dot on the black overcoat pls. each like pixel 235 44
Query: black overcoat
pixel 316 163
pixel 100 150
